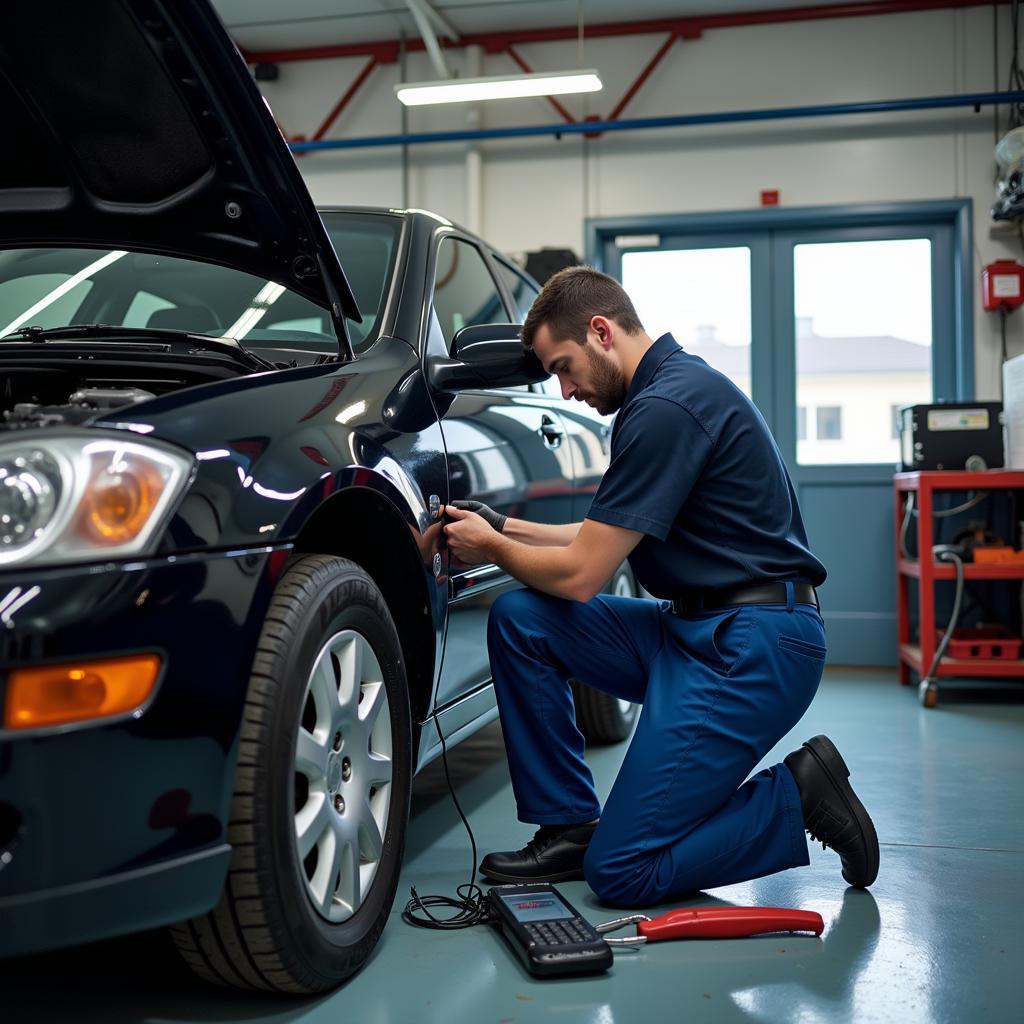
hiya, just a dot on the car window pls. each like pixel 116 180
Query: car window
pixel 550 386
pixel 522 290
pixel 42 299
pixel 61 287
pixel 464 291
pixel 142 307
pixel 367 245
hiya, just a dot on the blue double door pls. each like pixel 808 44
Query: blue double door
pixel 843 324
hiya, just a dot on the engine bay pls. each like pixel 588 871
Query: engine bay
pixel 52 390
pixel 81 405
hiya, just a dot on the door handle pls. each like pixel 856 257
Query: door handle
pixel 551 431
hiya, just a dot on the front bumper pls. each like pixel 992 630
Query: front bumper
pixel 116 827
pixel 165 892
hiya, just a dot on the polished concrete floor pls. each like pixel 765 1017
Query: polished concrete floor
pixel 934 940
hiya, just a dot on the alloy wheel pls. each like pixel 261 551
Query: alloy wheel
pixel 343 776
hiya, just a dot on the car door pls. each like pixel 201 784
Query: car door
pixel 505 447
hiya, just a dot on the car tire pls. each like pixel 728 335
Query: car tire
pixel 328 777
pixel 602 718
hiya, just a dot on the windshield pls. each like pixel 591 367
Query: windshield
pixel 52 288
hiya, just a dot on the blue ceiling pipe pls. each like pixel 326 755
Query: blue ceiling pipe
pixel 977 99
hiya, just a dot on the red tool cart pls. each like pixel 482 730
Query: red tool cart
pixel 971 653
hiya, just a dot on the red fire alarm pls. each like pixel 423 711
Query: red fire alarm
pixel 770 197
pixel 1002 285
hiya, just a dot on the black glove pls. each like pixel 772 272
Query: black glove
pixel 493 519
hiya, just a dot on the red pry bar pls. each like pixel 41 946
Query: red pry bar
pixel 728 923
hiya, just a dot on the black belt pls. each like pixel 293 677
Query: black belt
pixel 749 593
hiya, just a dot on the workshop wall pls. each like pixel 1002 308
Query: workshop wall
pixel 539 191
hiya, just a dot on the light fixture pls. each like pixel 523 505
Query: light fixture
pixel 497 87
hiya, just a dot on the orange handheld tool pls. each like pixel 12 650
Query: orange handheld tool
pixel 713 923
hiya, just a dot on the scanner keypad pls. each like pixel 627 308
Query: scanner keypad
pixel 556 933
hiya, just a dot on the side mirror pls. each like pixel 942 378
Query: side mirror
pixel 486 356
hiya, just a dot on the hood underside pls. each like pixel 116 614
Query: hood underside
pixel 135 124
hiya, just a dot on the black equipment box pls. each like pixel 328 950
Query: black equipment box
pixel 951 435
pixel 542 264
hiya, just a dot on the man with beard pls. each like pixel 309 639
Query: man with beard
pixel 725 661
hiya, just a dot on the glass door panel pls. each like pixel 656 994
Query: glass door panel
pixel 703 297
pixel 863 327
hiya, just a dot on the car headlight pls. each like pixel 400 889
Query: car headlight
pixel 80 498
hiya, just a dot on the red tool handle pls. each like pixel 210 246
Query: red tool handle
pixel 729 923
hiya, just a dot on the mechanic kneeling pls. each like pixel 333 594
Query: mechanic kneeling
pixel 698 498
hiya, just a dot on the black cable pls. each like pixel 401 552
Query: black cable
pixel 946 553
pixel 1014 111
pixel 1013 64
pixel 907 513
pixel 995 73
pixel 469 902
pixel 1015 114
pixel 1002 332
pixel 945 513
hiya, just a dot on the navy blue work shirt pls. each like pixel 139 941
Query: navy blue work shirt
pixel 695 468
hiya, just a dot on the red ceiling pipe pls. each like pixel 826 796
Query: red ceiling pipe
pixel 569 119
pixel 346 99
pixel 688 28
pixel 387 51
pixel 643 76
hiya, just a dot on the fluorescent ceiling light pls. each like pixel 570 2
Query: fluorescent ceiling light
pixel 497 87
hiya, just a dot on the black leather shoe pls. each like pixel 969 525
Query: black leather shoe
pixel 832 813
pixel 554 854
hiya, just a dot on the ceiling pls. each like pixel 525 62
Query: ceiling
pixel 270 25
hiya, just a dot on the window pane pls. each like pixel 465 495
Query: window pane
pixel 48 287
pixel 522 291
pixel 863 345
pixel 46 297
pixel 550 386
pixel 464 291
pixel 830 423
pixel 142 307
pixel 702 296
pixel 367 247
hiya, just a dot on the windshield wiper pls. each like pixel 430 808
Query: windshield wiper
pixel 71 330
pixel 225 346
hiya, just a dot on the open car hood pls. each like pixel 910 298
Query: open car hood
pixel 135 124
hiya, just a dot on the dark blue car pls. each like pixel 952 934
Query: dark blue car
pixel 230 632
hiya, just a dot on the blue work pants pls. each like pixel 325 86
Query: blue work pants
pixel 718 690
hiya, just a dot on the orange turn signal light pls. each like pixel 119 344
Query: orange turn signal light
pixel 79 691
pixel 120 499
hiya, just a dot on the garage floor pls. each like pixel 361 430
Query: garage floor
pixel 934 940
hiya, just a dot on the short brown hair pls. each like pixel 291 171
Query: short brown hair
pixel 574 295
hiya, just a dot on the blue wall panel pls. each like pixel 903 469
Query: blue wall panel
pixel 851 531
